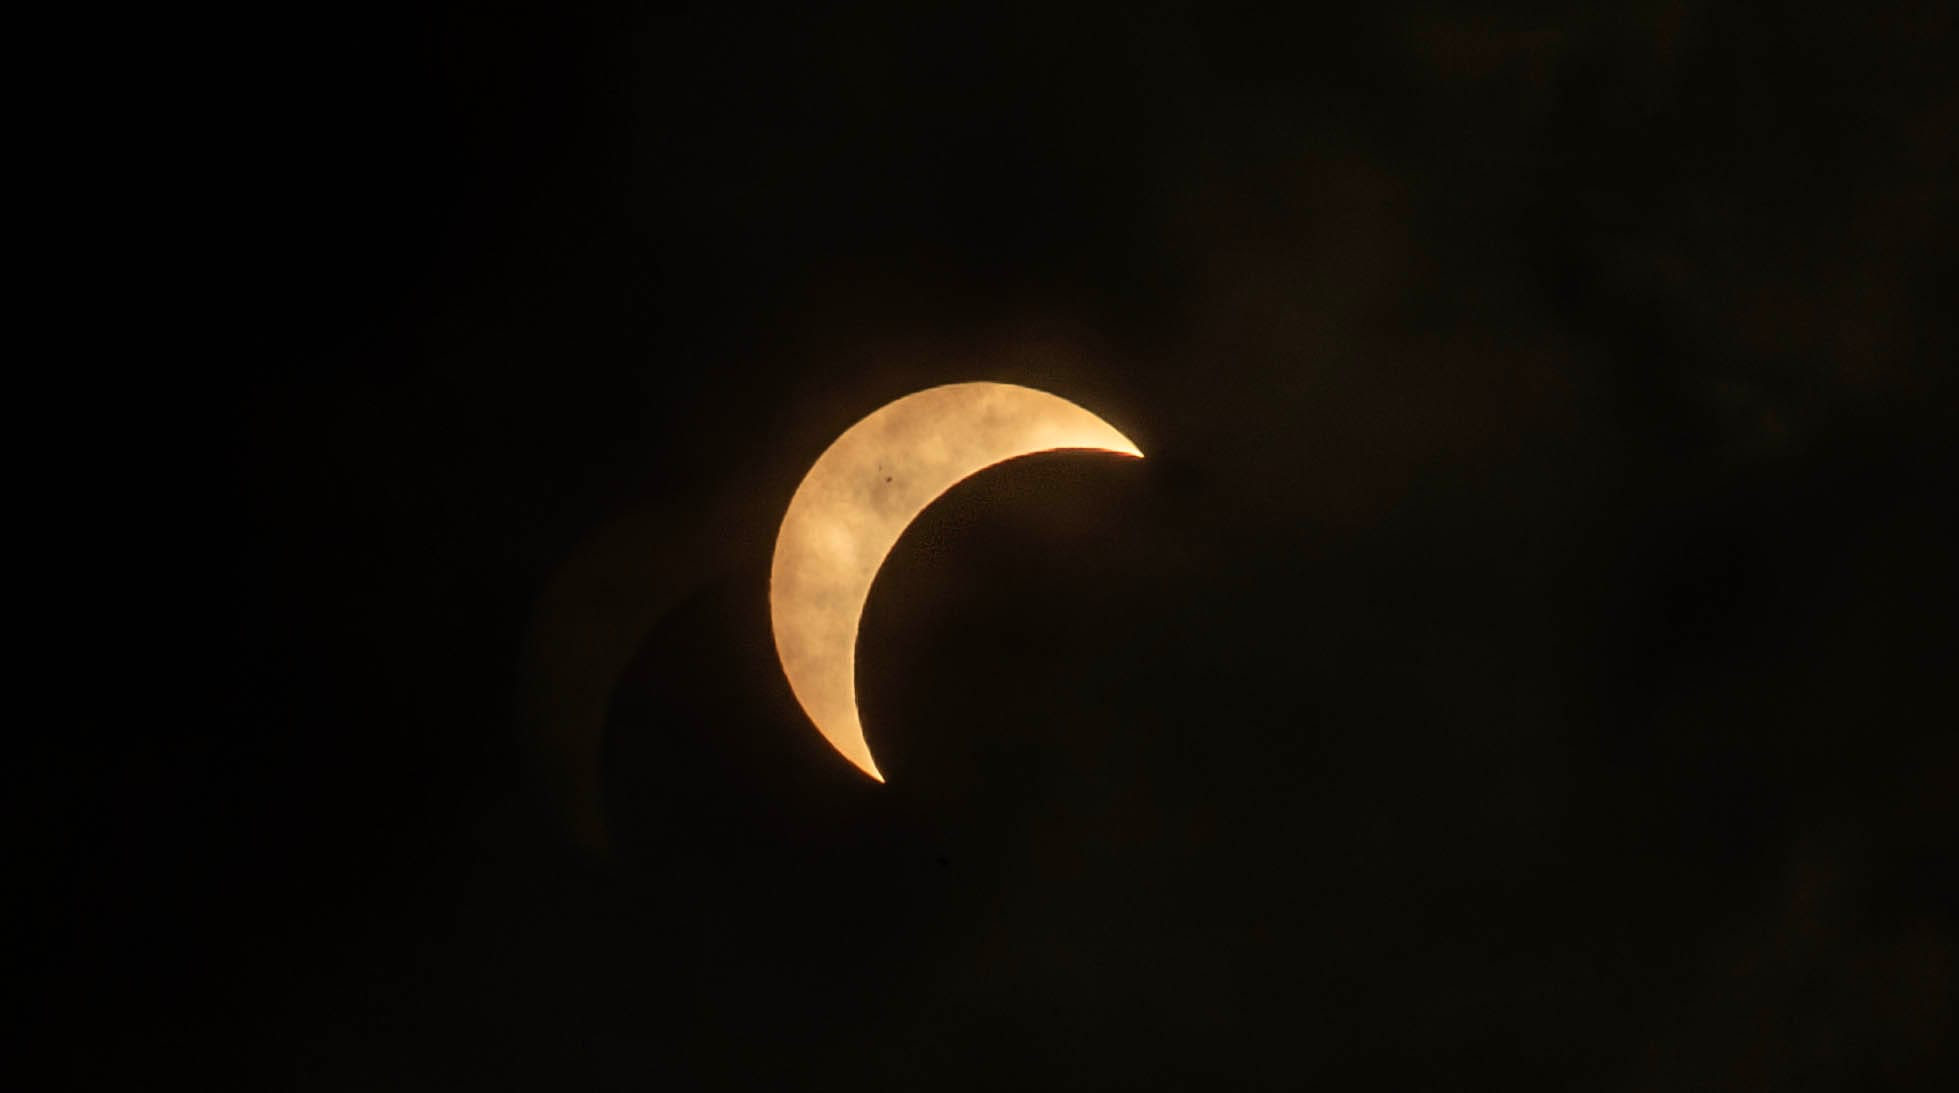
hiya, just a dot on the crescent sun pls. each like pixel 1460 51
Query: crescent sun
pixel 859 497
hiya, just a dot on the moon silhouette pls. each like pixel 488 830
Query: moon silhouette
pixel 859 497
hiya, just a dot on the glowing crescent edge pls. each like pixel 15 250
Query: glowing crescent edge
pixel 857 500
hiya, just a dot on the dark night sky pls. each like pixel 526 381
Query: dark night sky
pixel 1522 662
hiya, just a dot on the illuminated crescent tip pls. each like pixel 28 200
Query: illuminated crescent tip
pixel 858 498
